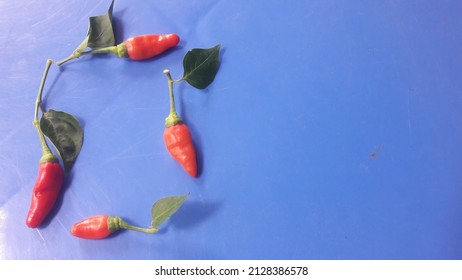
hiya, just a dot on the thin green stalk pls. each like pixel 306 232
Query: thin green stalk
pixel 47 155
pixel 125 225
pixel 76 53
pixel 118 50
pixel 170 89
pixel 173 117
pixel 71 57
pixel 111 49
pixel 38 101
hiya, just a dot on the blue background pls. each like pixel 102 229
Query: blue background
pixel 332 130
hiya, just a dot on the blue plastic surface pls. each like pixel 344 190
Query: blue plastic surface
pixel 332 130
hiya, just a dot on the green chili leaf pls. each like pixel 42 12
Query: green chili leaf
pixel 100 35
pixel 165 207
pixel 200 66
pixel 100 32
pixel 66 134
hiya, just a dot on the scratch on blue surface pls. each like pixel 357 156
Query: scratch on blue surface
pixel 61 224
pixel 40 234
pixel 6 139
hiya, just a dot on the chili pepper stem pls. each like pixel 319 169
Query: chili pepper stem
pixel 125 225
pixel 76 53
pixel 38 101
pixel 111 49
pixel 71 57
pixel 173 117
pixel 79 54
pixel 47 155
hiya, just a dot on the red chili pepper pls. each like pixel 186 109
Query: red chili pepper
pixel 136 48
pixel 177 137
pixel 96 227
pixel 179 143
pixel 50 176
pixel 101 226
pixel 147 46
pixel 45 192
